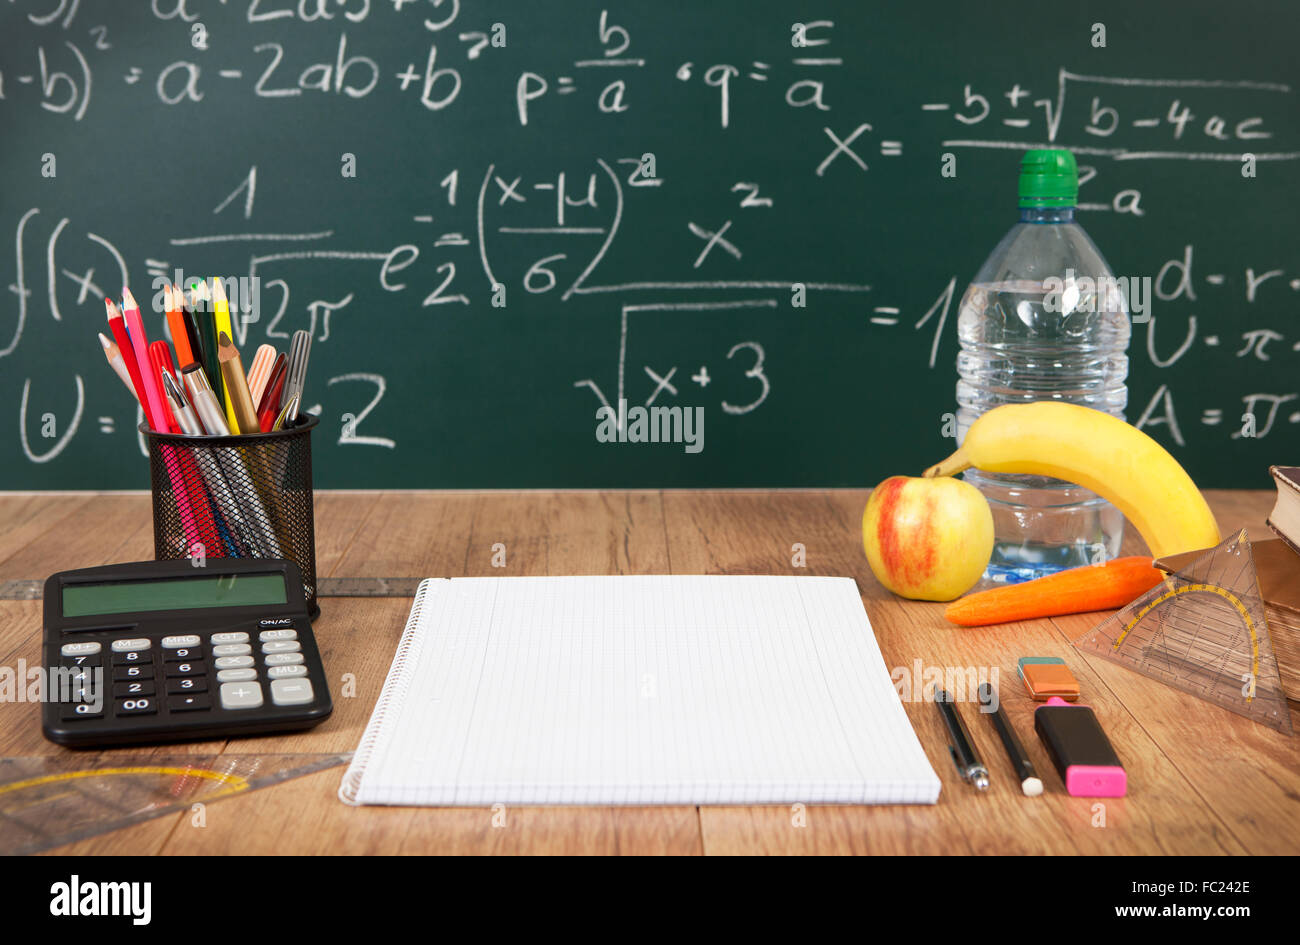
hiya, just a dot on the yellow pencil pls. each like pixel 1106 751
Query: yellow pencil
pixel 221 309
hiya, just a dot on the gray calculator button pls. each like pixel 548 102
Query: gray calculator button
pixel 241 695
pixel 79 649
pixel 131 645
pixel 232 649
pixel 236 675
pixel 266 636
pixel 282 646
pixel 291 691
pixel 286 672
pixel 220 639
pixel 175 643
pixel 283 659
pixel 232 662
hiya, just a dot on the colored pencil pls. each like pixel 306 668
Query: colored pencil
pixel 221 309
pixel 197 524
pixel 160 360
pixel 241 401
pixel 260 371
pixel 268 408
pixel 115 361
pixel 118 327
pixel 140 347
pixel 186 304
pixel 208 332
pixel 176 323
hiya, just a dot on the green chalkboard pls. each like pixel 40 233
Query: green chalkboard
pixel 495 217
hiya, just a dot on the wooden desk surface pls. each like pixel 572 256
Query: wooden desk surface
pixel 1202 780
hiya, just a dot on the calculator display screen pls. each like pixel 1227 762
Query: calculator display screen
pixel 119 597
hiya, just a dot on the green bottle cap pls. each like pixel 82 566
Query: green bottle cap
pixel 1048 178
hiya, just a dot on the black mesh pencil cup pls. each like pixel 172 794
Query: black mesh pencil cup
pixel 236 497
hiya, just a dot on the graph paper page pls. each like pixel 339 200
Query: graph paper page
pixel 639 690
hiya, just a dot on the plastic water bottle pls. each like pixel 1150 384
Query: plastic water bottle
pixel 1044 320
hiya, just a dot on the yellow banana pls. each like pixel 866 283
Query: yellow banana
pixel 1099 452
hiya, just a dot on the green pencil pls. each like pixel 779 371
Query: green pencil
pixel 201 302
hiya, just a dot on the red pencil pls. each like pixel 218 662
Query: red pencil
pixel 118 327
pixel 269 409
pixel 160 362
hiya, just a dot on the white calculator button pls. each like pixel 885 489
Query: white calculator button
pixel 283 659
pixel 266 636
pixel 177 642
pixel 79 649
pixel 282 646
pixel 131 645
pixel 236 675
pixel 232 662
pixel 232 649
pixel 291 691
pixel 220 639
pixel 241 695
pixel 284 672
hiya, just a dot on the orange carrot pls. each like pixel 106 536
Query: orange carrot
pixel 1076 591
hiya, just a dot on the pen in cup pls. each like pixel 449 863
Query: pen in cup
pixel 205 402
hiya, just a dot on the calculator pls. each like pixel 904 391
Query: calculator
pixel 157 651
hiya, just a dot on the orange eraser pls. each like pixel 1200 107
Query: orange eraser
pixel 1045 680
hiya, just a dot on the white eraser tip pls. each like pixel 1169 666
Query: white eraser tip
pixel 1032 787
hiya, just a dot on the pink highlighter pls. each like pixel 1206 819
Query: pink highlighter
pixel 1080 750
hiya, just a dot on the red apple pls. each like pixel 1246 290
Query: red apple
pixel 927 539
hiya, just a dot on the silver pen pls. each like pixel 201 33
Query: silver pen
pixel 296 374
pixel 181 409
pixel 205 403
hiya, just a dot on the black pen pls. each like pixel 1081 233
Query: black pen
pixel 961 747
pixel 1030 783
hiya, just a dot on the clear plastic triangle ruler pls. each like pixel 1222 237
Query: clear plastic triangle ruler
pixel 49 801
pixel 1202 630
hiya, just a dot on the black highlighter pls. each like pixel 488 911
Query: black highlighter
pixel 1080 750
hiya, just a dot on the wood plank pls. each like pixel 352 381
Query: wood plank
pixel 409 535
pixel 1203 780
pixel 84 532
pixel 339 519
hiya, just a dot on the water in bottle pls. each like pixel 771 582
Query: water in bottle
pixel 1044 319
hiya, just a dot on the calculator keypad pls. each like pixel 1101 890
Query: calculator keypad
pixel 291 691
pixel 79 649
pixel 241 695
pixel 174 676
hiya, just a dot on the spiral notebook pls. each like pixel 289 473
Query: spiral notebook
pixel 639 690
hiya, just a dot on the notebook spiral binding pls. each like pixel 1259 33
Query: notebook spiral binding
pixel 394 691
